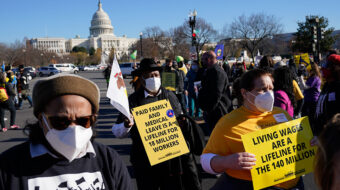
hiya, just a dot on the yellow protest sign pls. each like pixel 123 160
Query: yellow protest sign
pixel 159 130
pixel 169 81
pixel 283 152
pixel 297 60
pixel 305 60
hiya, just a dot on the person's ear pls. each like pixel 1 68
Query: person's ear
pixel 40 119
pixel 142 80
pixel 243 93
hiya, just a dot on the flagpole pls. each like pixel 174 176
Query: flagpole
pixel 135 64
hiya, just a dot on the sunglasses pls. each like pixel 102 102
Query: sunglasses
pixel 62 122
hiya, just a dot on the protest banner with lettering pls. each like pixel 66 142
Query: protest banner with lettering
pixel 297 60
pixel 159 130
pixel 169 81
pixel 283 152
pixel 304 59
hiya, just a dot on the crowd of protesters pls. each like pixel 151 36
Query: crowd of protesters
pixel 14 88
pixel 233 100
pixel 240 98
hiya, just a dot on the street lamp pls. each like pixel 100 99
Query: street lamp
pixel 42 59
pixel 316 37
pixel 141 44
pixel 24 51
pixel 192 23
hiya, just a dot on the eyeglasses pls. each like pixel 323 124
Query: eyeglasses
pixel 62 122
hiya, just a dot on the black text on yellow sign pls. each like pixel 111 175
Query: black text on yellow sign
pixel 283 152
pixel 158 128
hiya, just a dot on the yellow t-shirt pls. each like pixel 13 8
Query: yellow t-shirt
pixel 226 136
pixel 297 91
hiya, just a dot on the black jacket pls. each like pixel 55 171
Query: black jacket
pixel 23 82
pixel 214 94
pixel 327 106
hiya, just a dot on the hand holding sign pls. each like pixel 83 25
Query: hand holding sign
pixel 242 161
pixel 128 122
pixel 237 161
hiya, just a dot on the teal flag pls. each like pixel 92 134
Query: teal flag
pixel 134 55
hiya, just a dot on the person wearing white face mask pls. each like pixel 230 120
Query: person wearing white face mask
pixel 224 152
pixel 177 173
pixel 61 151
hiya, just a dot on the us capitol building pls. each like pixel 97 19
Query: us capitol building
pixel 101 36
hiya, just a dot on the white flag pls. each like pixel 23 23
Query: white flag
pixel 117 90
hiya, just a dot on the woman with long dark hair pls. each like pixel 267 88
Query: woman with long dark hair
pixel 283 89
pixel 267 64
pixel 311 92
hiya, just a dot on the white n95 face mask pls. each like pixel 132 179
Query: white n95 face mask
pixel 264 102
pixel 153 84
pixel 69 142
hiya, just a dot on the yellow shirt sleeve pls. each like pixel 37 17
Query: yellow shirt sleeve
pixel 297 91
pixel 217 143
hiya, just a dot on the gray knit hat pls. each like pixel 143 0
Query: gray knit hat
pixel 47 89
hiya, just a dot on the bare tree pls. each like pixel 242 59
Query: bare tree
pixel 150 48
pixel 11 53
pixel 253 30
pixel 206 33
pixel 3 49
pixel 155 33
pixel 178 45
pixel 162 41
pixel 154 43
pixel 158 43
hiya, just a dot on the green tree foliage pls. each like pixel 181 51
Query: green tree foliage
pixel 92 51
pixel 77 49
pixel 304 36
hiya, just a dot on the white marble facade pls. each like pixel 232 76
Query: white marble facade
pixel 101 36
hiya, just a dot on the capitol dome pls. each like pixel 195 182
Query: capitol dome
pixel 100 23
